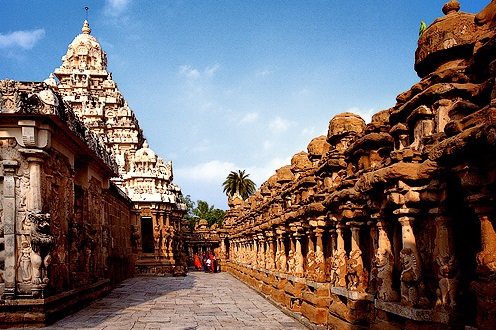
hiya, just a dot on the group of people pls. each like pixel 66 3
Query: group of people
pixel 207 263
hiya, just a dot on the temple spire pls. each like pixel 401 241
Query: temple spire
pixel 86 28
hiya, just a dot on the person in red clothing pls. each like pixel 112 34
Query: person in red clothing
pixel 212 263
pixel 197 262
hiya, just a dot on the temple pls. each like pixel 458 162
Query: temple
pixel 84 201
pixel 385 225
pixel 391 224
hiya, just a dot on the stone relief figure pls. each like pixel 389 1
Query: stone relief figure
pixel 282 261
pixel 357 275
pixel 24 262
pixel 135 238
pixel 291 262
pixel 310 269
pixel 410 278
pixel 384 261
pixel 156 236
pixel 448 281
pixel 41 244
pixel 320 266
pixel 338 269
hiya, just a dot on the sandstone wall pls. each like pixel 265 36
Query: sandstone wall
pixel 389 224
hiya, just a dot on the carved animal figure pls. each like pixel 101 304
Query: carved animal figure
pixel 448 281
pixel 384 264
pixel 410 277
pixel 41 244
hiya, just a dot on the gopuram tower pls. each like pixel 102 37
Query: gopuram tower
pixel 145 178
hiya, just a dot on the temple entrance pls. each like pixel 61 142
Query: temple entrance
pixel 147 235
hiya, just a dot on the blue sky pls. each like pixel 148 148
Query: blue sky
pixel 222 85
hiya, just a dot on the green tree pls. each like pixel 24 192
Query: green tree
pixel 202 211
pixel 189 214
pixel 238 182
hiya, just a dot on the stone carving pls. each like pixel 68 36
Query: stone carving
pixel 135 238
pixel 357 276
pixel 410 278
pixel 291 262
pixel 24 262
pixel 156 236
pixel 338 268
pixel 384 265
pixel 41 244
pixel 448 281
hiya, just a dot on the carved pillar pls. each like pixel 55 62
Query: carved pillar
pixel 319 256
pixel 310 265
pixel 269 258
pixel 35 158
pixel 9 220
pixel 291 255
pixel 283 257
pixel 384 264
pixel 448 268
pixel 299 271
pixel 357 274
pixel 411 268
pixel 339 260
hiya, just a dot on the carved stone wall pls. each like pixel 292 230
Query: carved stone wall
pixel 389 224
pixel 59 209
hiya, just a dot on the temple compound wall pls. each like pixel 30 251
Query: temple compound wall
pixel 391 224
pixel 64 229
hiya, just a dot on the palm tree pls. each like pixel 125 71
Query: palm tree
pixel 239 183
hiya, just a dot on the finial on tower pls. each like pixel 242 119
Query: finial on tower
pixel 86 28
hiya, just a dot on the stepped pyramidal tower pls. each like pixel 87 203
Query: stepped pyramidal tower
pixel 146 179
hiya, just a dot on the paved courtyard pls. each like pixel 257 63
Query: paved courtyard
pixel 197 301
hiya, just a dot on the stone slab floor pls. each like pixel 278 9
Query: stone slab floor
pixel 197 301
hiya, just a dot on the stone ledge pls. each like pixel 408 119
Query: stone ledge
pixel 40 312
pixel 420 315
pixel 353 295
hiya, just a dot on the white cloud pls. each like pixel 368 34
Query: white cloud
pixel 250 117
pixel 23 39
pixel 260 174
pixel 263 73
pixel 280 125
pixel 189 72
pixel 211 70
pixel 116 7
pixel 365 114
pixel 267 145
pixel 214 170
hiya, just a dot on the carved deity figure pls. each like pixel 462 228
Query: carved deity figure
pixel 156 236
pixel 448 281
pixel 320 266
pixel 357 275
pixel 338 269
pixel 41 244
pixel 135 238
pixel 384 261
pixel 310 269
pixel 291 262
pixel 410 278
pixel 282 262
pixel 24 262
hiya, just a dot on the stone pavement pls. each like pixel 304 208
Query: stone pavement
pixel 197 301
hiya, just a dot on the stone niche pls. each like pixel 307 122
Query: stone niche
pixel 391 224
